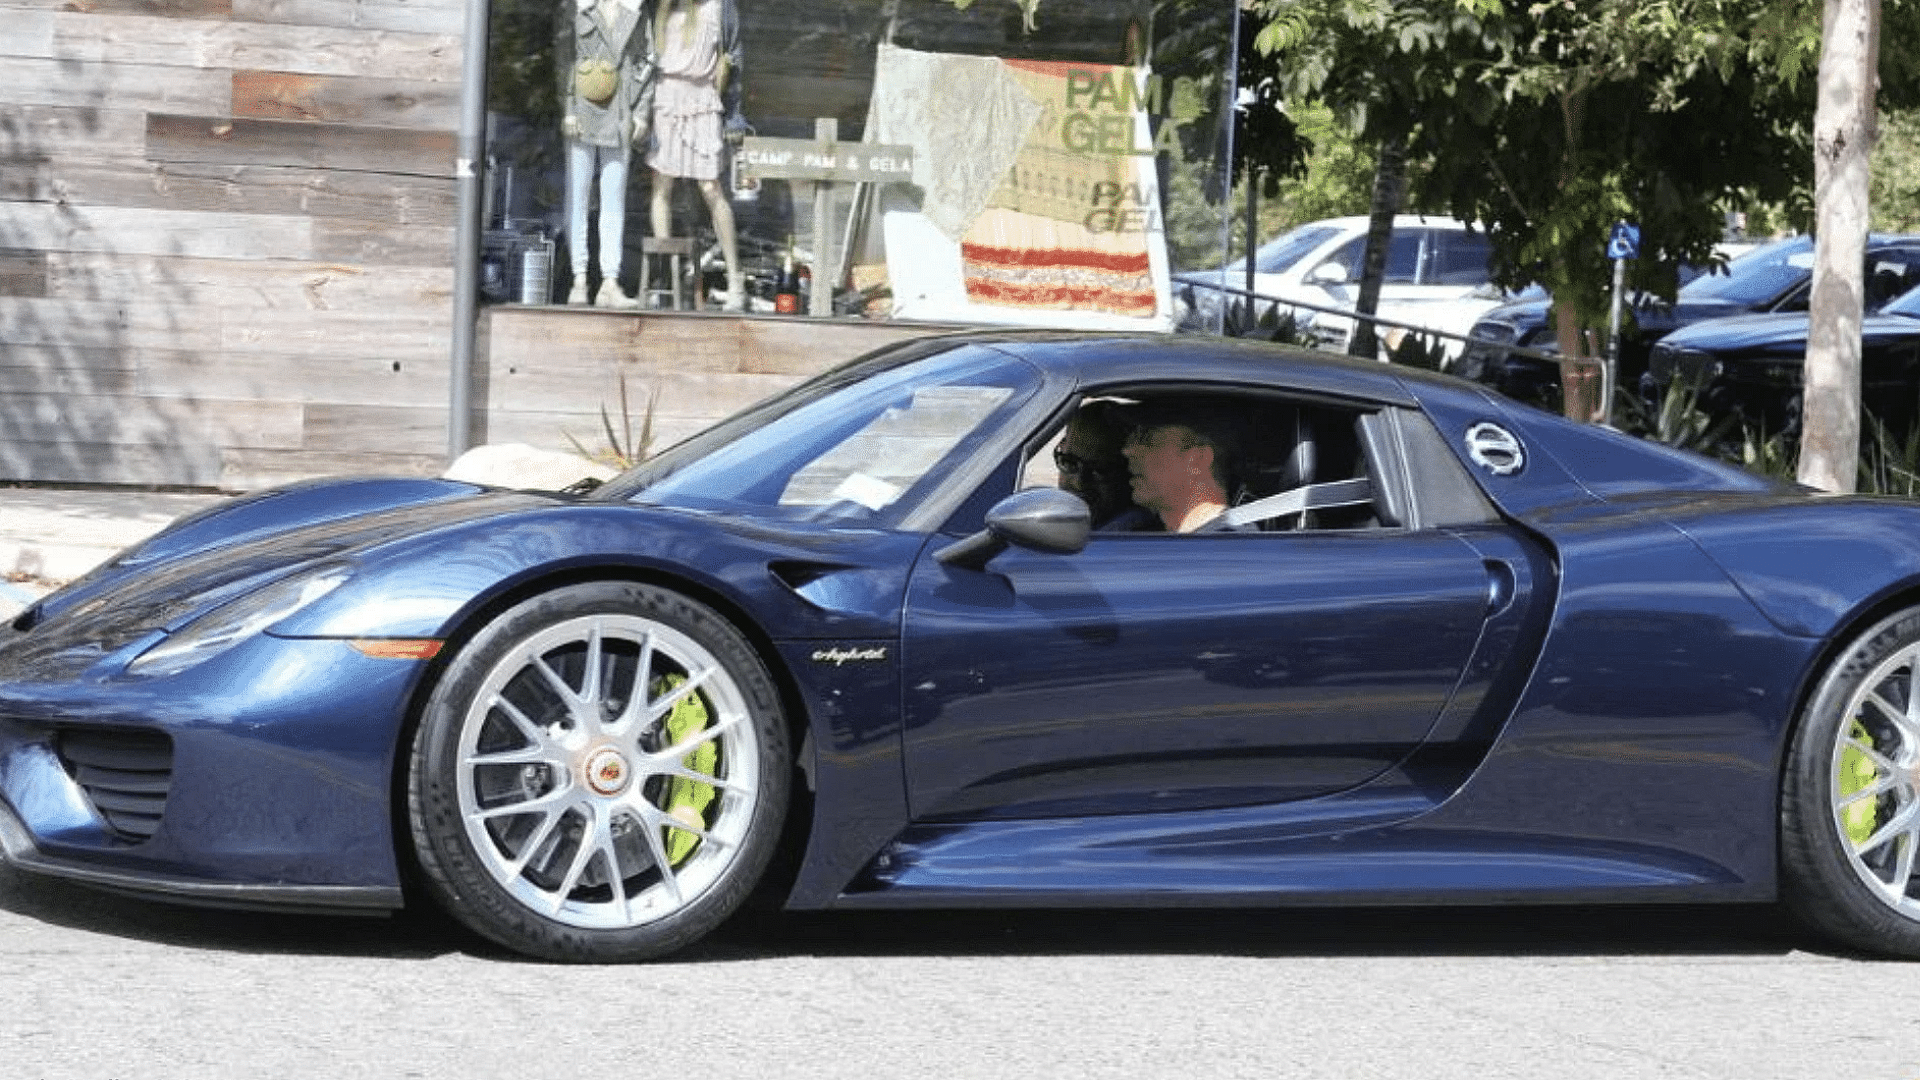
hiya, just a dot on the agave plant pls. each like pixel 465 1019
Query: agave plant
pixel 624 448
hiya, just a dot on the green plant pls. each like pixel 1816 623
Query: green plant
pixel 1676 419
pixel 1418 350
pixel 624 449
pixel 1773 455
pixel 1889 465
pixel 1244 319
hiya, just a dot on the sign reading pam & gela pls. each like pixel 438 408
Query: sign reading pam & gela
pixel 807 159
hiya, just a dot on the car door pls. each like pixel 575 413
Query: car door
pixel 1397 283
pixel 1168 672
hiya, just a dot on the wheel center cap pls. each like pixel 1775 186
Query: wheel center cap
pixel 607 772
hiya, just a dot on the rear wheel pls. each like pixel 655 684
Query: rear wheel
pixel 1850 811
pixel 601 775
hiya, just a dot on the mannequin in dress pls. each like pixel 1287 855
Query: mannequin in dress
pixel 605 60
pixel 698 43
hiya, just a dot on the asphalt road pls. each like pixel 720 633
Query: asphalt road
pixel 100 987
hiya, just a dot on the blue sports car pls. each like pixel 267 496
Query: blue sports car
pixel 932 631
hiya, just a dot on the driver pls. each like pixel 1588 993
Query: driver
pixel 1179 459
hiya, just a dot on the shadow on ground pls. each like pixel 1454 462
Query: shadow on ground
pixel 1742 930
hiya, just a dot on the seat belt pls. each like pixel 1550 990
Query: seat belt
pixel 1301 499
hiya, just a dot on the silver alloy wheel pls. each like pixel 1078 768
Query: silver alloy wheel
pixel 565 767
pixel 1875 770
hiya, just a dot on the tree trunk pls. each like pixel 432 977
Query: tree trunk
pixel 1389 187
pixel 1579 375
pixel 1843 135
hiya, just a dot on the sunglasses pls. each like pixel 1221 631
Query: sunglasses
pixel 1068 462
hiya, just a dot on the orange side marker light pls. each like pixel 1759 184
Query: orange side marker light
pixel 397 648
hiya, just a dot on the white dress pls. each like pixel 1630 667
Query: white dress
pixel 686 99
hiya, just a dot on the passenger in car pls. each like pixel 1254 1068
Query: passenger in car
pixel 1092 467
pixel 1179 458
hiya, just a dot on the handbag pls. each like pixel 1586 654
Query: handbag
pixel 596 81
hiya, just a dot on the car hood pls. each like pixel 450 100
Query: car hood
pixel 1741 332
pixel 210 558
pixel 1649 311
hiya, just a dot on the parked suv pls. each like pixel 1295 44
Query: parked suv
pixel 1774 277
pixel 1437 276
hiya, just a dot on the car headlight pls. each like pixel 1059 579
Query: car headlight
pixel 233 622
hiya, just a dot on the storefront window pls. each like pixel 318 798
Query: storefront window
pixel 969 161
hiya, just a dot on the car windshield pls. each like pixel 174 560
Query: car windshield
pixel 1756 277
pixel 851 446
pixel 1276 255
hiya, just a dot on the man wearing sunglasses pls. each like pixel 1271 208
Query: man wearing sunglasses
pixel 1092 467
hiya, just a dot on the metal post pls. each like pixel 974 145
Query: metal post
pixel 826 131
pixel 1253 232
pixel 1611 371
pixel 467 171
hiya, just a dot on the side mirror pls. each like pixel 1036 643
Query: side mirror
pixel 1328 273
pixel 1041 519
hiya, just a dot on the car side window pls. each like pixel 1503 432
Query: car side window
pixel 1889 274
pixel 1271 464
pixel 1458 258
pixel 1403 257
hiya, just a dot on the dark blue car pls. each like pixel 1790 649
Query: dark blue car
pixel 1749 369
pixel 855 649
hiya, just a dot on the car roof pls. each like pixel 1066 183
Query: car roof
pixel 1118 357
pixel 1400 221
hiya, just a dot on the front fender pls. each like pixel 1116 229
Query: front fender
pixel 427 586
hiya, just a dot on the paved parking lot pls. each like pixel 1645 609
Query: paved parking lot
pixel 96 986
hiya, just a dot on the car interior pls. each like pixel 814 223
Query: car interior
pixel 1291 465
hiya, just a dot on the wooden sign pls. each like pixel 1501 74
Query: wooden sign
pixel 825 161
pixel 828 162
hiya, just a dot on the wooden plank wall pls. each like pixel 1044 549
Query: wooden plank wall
pixel 550 371
pixel 226 237
pixel 226 258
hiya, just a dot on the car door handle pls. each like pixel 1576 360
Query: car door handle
pixel 1501 586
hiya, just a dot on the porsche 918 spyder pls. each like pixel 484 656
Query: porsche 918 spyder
pixel 882 642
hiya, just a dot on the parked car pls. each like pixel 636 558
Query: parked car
pixel 1775 277
pixel 1437 277
pixel 1751 367
pixel 853 649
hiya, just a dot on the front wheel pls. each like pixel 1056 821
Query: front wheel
pixel 600 775
pixel 1850 806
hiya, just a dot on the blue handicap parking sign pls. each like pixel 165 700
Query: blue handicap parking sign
pixel 1624 243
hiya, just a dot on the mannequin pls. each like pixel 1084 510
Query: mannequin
pixel 605 60
pixel 698 45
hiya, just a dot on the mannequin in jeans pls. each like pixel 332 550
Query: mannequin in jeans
pixel 699 61
pixel 605 60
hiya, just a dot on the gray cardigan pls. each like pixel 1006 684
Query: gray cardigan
pixel 627 44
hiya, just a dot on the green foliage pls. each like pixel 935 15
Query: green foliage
pixel 521 80
pixel 1029 10
pixel 1895 197
pixel 1768 455
pixel 1676 419
pixel 1548 121
pixel 1417 350
pixel 1246 318
pixel 1889 464
pixel 1337 180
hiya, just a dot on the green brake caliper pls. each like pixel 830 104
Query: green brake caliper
pixel 1857 773
pixel 687 800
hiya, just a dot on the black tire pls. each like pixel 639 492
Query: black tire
pixel 1850 797
pixel 547 814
